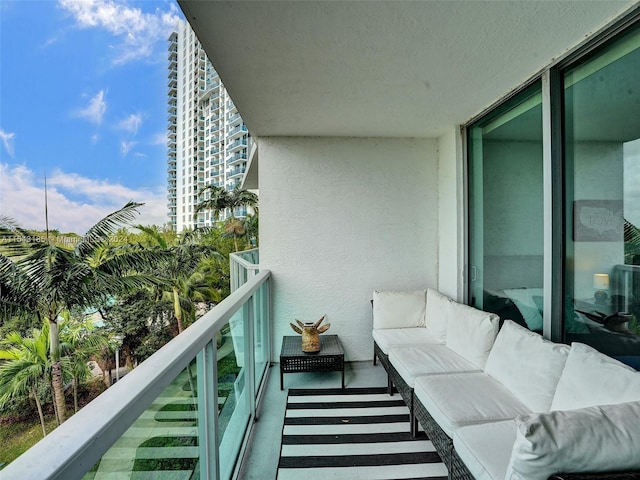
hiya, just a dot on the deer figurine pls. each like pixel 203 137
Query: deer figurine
pixel 310 334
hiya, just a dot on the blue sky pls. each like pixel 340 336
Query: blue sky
pixel 83 99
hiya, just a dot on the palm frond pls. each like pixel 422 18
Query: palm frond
pixel 99 234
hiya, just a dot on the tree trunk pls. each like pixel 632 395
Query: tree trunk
pixel 177 310
pixel 75 394
pixel 56 371
pixel 34 392
pixel 53 402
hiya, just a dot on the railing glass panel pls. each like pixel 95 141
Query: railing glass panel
pixel 184 413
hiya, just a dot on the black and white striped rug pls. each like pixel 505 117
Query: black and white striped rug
pixel 356 433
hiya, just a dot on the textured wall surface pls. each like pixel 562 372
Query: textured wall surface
pixel 451 220
pixel 342 217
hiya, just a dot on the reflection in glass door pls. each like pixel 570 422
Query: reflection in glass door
pixel 506 224
pixel 602 208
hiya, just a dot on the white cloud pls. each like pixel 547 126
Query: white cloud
pixel 159 139
pixel 94 112
pixel 75 203
pixel 125 147
pixel 137 31
pixel 7 141
pixel 131 123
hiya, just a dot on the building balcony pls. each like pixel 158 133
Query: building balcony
pixel 237 131
pixel 235 118
pixel 235 172
pixel 238 157
pixel 237 145
pixel 172 91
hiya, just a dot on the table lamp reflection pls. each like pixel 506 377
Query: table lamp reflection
pixel 600 284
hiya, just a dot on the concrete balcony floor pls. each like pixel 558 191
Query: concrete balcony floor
pixel 263 452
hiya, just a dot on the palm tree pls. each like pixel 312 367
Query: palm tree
pixel 234 228
pixel 52 279
pixel 80 341
pixel 221 199
pixel 184 258
pixel 25 367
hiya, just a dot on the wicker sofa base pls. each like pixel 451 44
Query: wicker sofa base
pixel 441 441
pixel 384 360
pixel 395 380
pixel 406 392
pixel 458 470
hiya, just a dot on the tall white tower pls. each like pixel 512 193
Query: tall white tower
pixel 208 142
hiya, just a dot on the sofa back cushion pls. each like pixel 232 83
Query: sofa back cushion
pixel 438 313
pixel 402 309
pixel 593 439
pixel 527 365
pixel 591 378
pixel 471 333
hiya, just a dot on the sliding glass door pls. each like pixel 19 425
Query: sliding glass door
pixel 506 222
pixel 602 191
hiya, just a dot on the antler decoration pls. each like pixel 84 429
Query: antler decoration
pixel 310 334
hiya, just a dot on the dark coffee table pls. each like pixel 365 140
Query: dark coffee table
pixel 294 360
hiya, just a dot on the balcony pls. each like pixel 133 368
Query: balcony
pixel 237 144
pixel 235 172
pixel 238 157
pixel 237 131
pixel 171 393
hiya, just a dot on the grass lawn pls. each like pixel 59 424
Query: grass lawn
pixel 19 436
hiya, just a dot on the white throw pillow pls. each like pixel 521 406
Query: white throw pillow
pixel 527 365
pixel 398 309
pixel 437 315
pixel 471 333
pixel 591 378
pixel 594 439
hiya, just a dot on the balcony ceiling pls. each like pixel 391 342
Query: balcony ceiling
pixel 378 68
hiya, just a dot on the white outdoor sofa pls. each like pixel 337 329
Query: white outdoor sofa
pixel 512 406
pixel 424 332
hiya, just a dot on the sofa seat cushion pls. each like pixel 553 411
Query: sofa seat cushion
pixel 486 448
pixel 458 399
pixel 412 362
pixel 527 364
pixel 591 378
pixel 594 439
pixel 402 309
pixel 398 337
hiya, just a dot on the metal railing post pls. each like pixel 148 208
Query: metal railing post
pixel 208 413
pixel 249 354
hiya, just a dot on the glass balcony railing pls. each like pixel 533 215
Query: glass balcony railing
pixel 244 266
pixel 184 413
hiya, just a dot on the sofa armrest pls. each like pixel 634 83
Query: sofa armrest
pixel 630 475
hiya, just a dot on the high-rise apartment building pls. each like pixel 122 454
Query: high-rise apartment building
pixel 208 143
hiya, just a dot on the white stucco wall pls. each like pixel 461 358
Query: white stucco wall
pixel 451 222
pixel 340 217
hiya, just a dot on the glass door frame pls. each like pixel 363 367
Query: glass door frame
pixel 554 198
